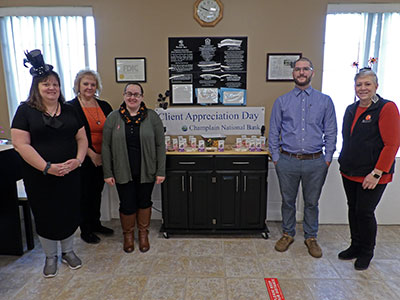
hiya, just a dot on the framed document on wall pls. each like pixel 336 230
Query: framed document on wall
pixel 280 66
pixel 130 69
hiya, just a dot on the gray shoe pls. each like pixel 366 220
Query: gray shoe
pixel 50 267
pixel 71 260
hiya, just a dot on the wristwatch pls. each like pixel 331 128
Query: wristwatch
pixel 46 169
pixel 376 175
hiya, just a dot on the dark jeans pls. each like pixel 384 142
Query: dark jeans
pixel 134 195
pixel 362 204
pixel 92 187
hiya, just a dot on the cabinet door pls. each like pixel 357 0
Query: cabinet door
pixel 253 199
pixel 201 200
pixel 228 193
pixel 175 200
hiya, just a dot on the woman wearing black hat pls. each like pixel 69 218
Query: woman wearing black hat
pixel 51 139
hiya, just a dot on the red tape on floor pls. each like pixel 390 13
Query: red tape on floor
pixel 274 290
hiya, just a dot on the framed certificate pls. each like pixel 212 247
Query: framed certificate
pixel 280 66
pixel 182 94
pixel 231 96
pixel 130 69
pixel 207 95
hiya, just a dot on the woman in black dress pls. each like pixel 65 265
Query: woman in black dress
pixel 93 112
pixel 51 139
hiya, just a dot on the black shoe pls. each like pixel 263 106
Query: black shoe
pixel 90 238
pixel 348 254
pixel 103 230
pixel 362 263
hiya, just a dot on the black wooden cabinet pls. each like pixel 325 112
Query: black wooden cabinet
pixel 177 207
pixel 10 222
pixel 215 193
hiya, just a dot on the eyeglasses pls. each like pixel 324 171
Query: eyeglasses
pixel 304 69
pixel 136 95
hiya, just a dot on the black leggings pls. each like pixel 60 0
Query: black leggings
pixel 362 204
pixel 134 195
pixel 92 187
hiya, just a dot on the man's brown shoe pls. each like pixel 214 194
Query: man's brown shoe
pixel 313 248
pixel 283 243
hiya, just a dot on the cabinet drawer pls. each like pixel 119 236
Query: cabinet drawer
pixel 241 162
pixel 186 162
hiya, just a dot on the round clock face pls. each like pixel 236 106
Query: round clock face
pixel 208 10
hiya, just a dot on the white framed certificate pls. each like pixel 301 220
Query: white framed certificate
pixel 182 94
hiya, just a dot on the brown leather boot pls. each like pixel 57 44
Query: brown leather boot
pixel 143 221
pixel 128 226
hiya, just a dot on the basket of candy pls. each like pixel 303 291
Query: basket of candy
pixel 211 140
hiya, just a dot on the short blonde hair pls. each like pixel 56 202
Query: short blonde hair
pixel 87 72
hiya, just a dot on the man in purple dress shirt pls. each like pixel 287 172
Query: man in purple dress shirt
pixel 302 125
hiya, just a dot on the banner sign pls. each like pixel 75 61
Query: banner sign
pixel 212 120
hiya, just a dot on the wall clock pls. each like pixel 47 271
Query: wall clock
pixel 208 12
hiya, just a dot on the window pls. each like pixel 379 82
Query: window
pixel 357 33
pixel 66 37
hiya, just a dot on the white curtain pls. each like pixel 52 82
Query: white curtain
pixel 388 60
pixel 356 37
pixel 67 43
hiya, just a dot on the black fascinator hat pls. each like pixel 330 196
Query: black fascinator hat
pixel 35 58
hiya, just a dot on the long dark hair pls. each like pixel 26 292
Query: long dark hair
pixel 34 99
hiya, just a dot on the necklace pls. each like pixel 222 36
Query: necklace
pixel 97 119
pixel 55 112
